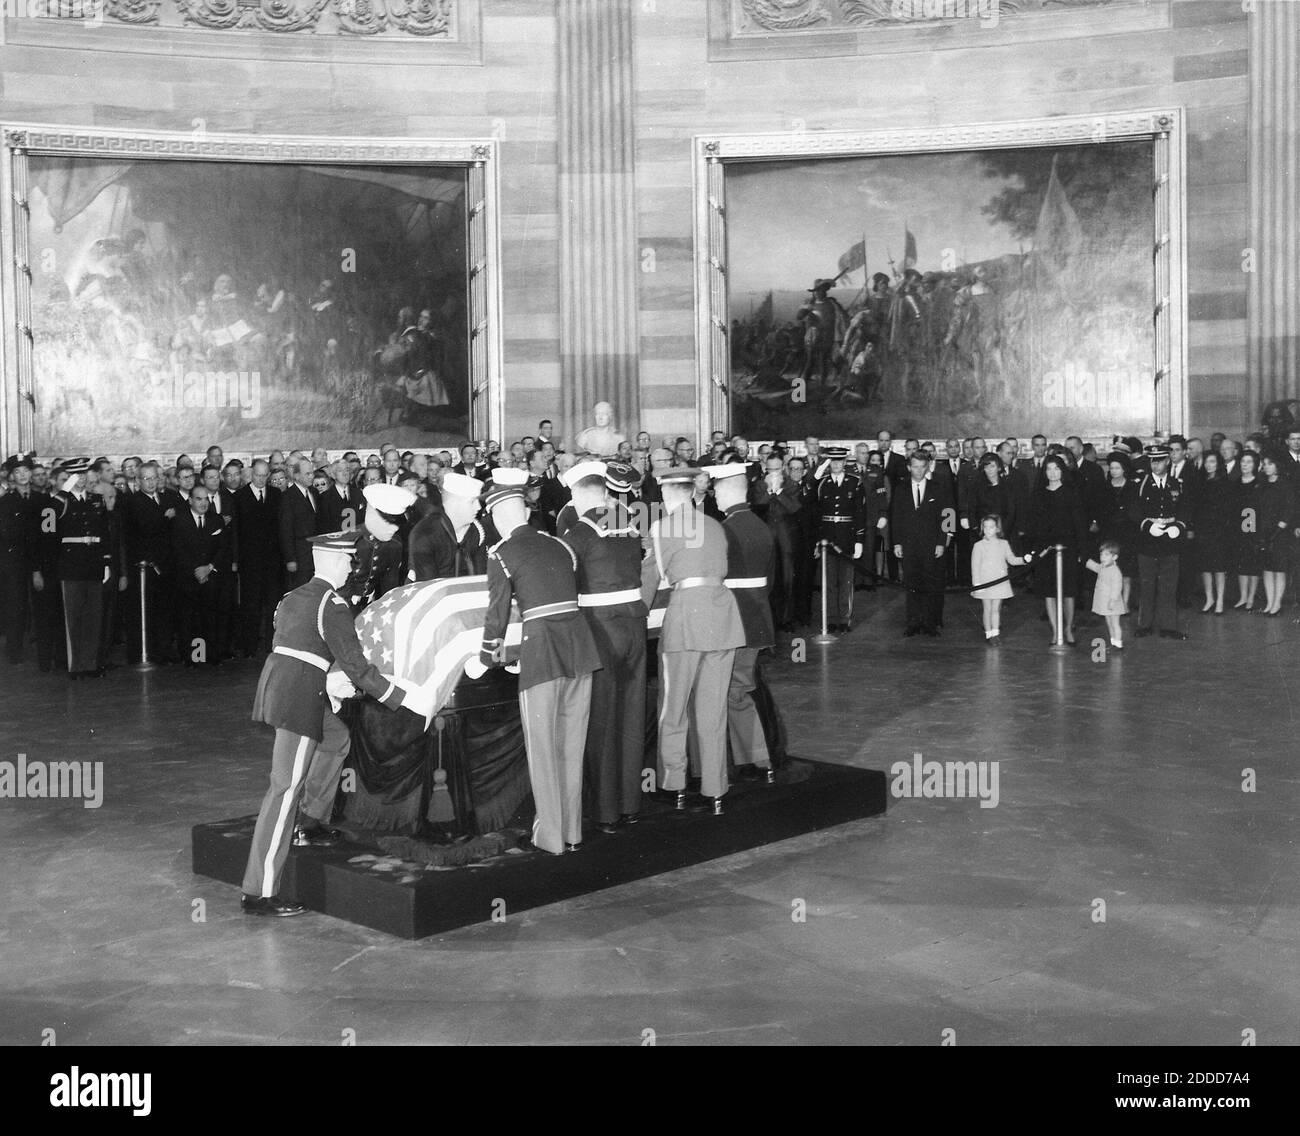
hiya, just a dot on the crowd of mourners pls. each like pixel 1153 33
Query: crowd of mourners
pixel 103 561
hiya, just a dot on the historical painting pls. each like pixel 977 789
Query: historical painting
pixel 257 304
pixel 968 292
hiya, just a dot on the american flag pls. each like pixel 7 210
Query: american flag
pixel 425 633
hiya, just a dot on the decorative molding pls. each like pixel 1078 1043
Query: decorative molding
pixel 1165 126
pixel 342 31
pixel 782 29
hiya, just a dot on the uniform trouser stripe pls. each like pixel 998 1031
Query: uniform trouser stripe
pixel 748 744
pixel 289 761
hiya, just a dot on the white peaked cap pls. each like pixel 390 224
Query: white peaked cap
pixel 581 470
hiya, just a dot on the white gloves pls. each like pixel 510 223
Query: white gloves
pixel 418 700
pixel 339 686
pixel 108 574
pixel 857 551
pixel 474 668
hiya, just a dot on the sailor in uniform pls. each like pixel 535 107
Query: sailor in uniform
pixel 557 657
pixel 751 559
pixel 701 631
pixel 842 524
pixel 313 630
pixel 608 547
pixel 438 540
pixel 83 566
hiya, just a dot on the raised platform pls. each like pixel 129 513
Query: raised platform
pixel 362 885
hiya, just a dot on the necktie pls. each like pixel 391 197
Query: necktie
pixel 917 491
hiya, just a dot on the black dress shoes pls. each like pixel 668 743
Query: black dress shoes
pixel 573 847
pixel 629 818
pixel 316 836
pixel 270 905
pixel 1172 635
pixel 749 773
pixel 608 827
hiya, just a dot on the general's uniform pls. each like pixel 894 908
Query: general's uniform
pixel 83 555
pixel 313 629
pixel 557 657
pixel 842 521
pixel 17 563
pixel 608 550
pixel 1158 556
pixel 751 560
pixel 702 630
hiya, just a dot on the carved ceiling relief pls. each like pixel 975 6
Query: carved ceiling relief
pixel 390 18
pixel 768 16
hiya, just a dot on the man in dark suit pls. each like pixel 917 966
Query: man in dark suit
pixel 341 508
pixel 257 516
pixel 917 529
pixel 1033 465
pixel 299 522
pixel 895 464
pixel 147 527
pixel 470 464
pixel 17 555
pixel 201 544
pixel 949 473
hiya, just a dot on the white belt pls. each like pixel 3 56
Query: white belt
pixel 748 582
pixel 304 657
pixel 839 520
pixel 81 540
pixel 698 582
pixel 543 610
pixel 607 599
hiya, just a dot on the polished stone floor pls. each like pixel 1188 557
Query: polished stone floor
pixel 1120 782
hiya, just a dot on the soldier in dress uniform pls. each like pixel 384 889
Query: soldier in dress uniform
pixel 378 565
pixel 47 596
pixel 751 560
pixel 1160 510
pixel 17 554
pixel 608 547
pixel 842 522
pixel 697 645
pixel 557 657
pixel 84 568
pixel 313 630
pixel 438 541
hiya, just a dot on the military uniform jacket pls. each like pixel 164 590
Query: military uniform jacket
pixel 687 546
pixel 479 537
pixel 378 570
pixel 540 572
pixel 751 558
pixel 18 531
pixel 313 630
pixel 83 537
pixel 608 549
pixel 45 522
pixel 1154 501
pixel 840 512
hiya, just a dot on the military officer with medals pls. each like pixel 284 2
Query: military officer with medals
pixel 83 567
pixel 842 523
pixel 556 659
pixel 313 630
pixel 608 547
pixel 751 560
pixel 701 631
pixel 1160 510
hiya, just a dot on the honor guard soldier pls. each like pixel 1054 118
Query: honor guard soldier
pixel 17 554
pixel 1160 510
pixel 608 547
pixel 842 525
pixel 556 657
pixel 84 569
pixel 697 645
pixel 751 559
pixel 378 567
pixel 441 542
pixel 313 630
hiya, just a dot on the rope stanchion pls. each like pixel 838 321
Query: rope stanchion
pixel 825 636
pixel 959 589
pixel 145 664
pixel 1058 639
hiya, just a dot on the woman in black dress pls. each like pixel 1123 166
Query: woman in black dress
pixel 1056 517
pixel 991 496
pixel 1249 561
pixel 1113 519
pixel 1215 523
pixel 1277 517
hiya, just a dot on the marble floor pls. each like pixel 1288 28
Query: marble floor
pixel 1120 794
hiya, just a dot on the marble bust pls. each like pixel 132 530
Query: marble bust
pixel 601 439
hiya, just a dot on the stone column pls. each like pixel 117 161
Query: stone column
pixel 596 150
pixel 1273 291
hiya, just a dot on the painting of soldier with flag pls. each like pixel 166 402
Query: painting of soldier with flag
pixel 983 291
